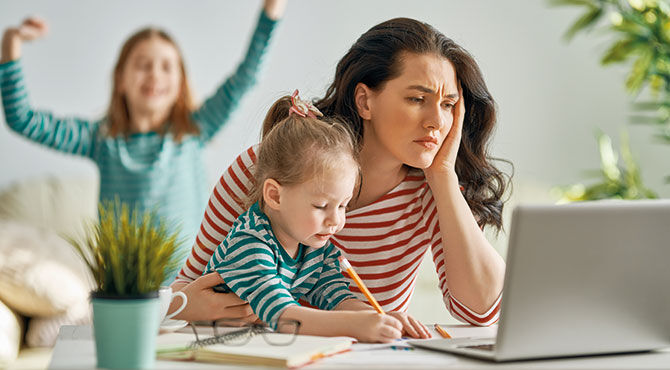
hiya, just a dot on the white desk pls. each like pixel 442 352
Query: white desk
pixel 75 349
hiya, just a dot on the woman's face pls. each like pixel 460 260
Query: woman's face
pixel 410 115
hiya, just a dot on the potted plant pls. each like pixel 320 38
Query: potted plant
pixel 129 255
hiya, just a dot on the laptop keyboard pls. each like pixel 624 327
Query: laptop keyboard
pixel 483 347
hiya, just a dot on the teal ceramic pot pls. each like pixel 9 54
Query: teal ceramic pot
pixel 125 330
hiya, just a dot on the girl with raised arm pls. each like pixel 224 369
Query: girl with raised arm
pixel 149 145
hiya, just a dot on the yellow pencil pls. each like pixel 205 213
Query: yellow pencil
pixel 346 266
pixel 442 332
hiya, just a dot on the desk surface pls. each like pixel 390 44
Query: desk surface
pixel 75 349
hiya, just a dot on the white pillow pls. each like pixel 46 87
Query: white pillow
pixel 11 330
pixel 37 287
pixel 40 275
pixel 46 244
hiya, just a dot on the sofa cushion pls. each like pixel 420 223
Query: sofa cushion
pixel 37 287
pixel 43 331
pixel 40 274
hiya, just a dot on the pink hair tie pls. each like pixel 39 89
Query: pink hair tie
pixel 303 108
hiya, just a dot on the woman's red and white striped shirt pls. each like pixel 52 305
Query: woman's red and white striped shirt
pixel 384 241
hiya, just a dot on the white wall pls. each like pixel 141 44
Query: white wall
pixel 551 94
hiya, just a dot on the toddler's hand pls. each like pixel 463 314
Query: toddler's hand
pixel 411 326
pixel 370 326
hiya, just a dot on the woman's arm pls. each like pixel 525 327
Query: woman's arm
pixel 475 270
pixel 217 109
pixel 205 304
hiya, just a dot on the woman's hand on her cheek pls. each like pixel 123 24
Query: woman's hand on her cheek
pixel 411 326
pixel 206 304
pixel 445 159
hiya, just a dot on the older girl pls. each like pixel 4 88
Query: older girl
pixel 148 147
pixel 422 117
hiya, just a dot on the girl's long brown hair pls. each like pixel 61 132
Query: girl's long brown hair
pixel 376 58
pixel 118 116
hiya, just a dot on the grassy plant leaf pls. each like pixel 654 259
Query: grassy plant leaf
pixel 584 22
pixel 128 252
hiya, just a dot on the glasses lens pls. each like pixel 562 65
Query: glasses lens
pixel 236 337
pixel 285 334
pixel 231 332
pixel 229 323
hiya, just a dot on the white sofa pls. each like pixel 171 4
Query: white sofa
pixel 43 283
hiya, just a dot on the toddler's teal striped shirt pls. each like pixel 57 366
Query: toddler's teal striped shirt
pixel 257 268
pixel 148 170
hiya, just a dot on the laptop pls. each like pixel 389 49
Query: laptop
pixel 581 279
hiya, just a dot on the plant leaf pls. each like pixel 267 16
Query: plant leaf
pixel 584 22
pixel 608 158
pixel 588 3
pixel 640 71
pixel 619 51
pixel 128 252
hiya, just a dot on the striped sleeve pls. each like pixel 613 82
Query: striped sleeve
pixel 455 307
pixel 224 206
pixel 331 287
pixel 217 109
pixel 249 269
pixel 69 135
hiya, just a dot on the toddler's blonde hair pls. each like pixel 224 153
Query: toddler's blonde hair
pixel 296 149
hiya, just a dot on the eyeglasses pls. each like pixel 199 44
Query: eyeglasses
pixel 236 333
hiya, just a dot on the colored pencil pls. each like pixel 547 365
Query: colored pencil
pixel 346 266
pixel 442 332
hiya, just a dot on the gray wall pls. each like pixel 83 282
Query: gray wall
pixel 551 94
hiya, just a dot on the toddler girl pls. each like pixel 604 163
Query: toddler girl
pixel 278 251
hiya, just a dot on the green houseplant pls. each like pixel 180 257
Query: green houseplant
pixel 641 35
pixel 617 181
pixel 129 255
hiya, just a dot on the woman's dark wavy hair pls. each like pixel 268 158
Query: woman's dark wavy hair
pixel 376 57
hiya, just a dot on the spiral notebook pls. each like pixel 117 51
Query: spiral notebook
pixel 304 350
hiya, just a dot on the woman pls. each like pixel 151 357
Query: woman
pixel 422 118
